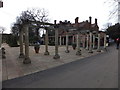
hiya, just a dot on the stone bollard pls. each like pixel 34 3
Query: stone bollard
pixel 3 53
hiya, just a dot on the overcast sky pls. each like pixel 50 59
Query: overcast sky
pixel 58 10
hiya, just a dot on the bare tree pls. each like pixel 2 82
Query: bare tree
pixel 114 9
pixel 35 15
pixel 31 15
pixel 2 29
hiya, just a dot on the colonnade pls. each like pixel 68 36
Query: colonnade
pixel 23 31
pixel 88 43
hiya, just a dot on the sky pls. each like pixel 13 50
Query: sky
pixel 57 10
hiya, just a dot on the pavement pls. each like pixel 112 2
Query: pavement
pixel 97 71
pixel 13 67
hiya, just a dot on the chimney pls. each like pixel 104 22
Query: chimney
pixel 69 22
pixel 95 21
pixel 86 20
pixel 60 22
pixel 76 19
pixel 90 20
pixel 55 21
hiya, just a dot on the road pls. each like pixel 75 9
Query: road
pixel 100 71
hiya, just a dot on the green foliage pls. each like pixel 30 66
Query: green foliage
pixel 114 31
pixel 51 43
pixel 36 38
pixel 12 41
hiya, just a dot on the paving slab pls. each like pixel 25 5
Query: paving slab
pixel 13 67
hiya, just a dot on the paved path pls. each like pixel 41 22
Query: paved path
pixel 100 71
pixel 12 66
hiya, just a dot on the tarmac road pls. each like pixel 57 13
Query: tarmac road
pixel 100 71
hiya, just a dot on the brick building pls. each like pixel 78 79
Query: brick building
pixel 81 26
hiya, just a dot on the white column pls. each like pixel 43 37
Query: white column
pixel 67 46
pixel 56 56
pixel 0 39
pixel 46 43
pixel 87 42
pixel 90 43
pixel 63 40
pixel 21 44
pixel 27 59
pixel 104 41
pixel 98 49
pixel 93 41
pixel 60 40
pixel 73 39
pixel 78 44
pixel 84 41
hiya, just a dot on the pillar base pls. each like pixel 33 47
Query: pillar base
pixel 78 52
pixel 67 51
pixel 105 49
pixel 98 50
pixel 87 48
pixel 21 55
pixel 84 47
pixel 94 48
pixel 3 57
pixel 26 61
pixel 56 56
pixel 46 53
pixel 90 52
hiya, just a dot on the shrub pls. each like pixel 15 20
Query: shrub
pixel 12 41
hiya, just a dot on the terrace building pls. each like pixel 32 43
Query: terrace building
pixel 81 26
